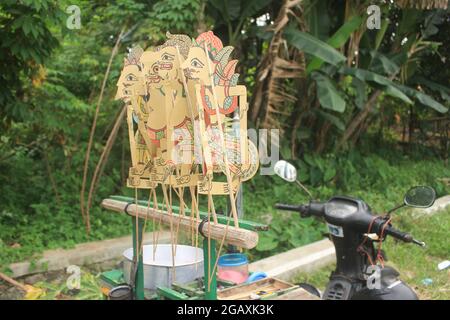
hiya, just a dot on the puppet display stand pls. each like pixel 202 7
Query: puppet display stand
pixel 264 289
pixel 187 128
pixel 197 289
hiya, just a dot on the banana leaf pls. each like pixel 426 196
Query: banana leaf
pixel 443 91
pixel 423 98
pixel 388 86
pixel 313 46
pixel 332 119
pixel 337 40
pixel 327 93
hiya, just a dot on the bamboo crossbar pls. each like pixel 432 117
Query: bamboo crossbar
pixel 234 236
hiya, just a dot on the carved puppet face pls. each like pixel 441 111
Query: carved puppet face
pixel 172 52
pixel 169 63
pixel 150 64
pixel 196 66
pixel 130 81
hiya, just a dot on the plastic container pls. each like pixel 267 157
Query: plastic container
pixel 233 267
pixel 255 276
pixel 161 272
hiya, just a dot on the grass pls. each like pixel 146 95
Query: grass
pixel 414 263
pixel 27 229
pixel 31 221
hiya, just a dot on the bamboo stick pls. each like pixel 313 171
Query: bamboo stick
pixel 222 140
pixel 13 282
pixel 235 236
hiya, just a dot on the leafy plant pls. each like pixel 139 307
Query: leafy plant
pixel 90 289
pixel 27 42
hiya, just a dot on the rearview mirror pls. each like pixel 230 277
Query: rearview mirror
pixel 420 197
pixel 285 171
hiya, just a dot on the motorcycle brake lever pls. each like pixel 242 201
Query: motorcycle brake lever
pixel 420 243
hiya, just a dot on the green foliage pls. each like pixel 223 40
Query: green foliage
pixel 424 99
pixel 231 15
pixel 329 96
pixel 287 233
pixel 318 18
pixel 27 43
pixel 90 289
pixel 313 46
pixel 331 119
pixel 178 16
pixel 337 40
pixel 385 60
pixel 371 77
pixel 35 219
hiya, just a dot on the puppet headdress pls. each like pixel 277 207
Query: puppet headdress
pixel 181 41
pixel 220 55
pixel 134 56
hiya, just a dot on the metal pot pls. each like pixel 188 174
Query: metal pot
pixel 160 272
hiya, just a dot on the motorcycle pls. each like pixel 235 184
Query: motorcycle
pixel 357 235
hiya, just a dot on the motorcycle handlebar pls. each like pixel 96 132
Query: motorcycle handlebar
pixel 287 207
pixel 403 236
pixel 317 209
pixel 306 210
pixel 390 230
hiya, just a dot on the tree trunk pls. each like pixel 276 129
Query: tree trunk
pixel 359 119
pixel 104 158
pixel 321 138
pixel 410 126
pixel 51 177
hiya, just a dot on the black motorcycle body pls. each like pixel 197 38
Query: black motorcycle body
pixel 354 230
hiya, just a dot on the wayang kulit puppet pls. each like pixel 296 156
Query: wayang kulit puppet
pixel 187 122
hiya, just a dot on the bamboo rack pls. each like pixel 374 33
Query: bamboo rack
pixel 235 236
